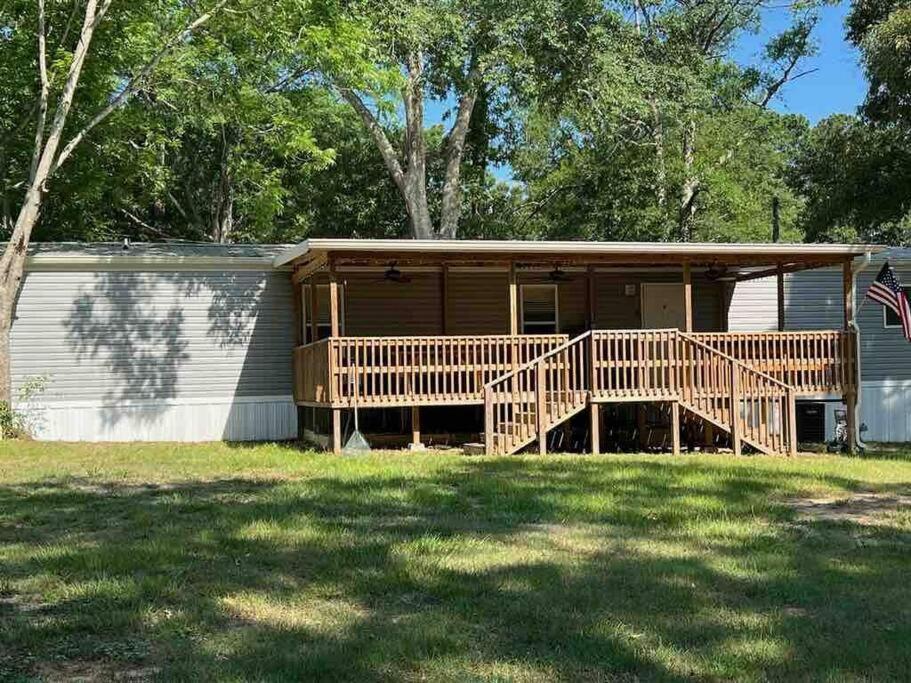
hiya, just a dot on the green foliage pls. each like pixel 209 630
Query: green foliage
pixel 855 179
pixel 240 135
pixel 855 172
pixel 18 422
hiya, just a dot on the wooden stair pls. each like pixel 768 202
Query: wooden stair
pixel 521 406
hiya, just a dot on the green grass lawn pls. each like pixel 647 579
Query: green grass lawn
pixel 221 562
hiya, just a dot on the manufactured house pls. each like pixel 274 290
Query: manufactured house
pixel 812 300
pixel 514 344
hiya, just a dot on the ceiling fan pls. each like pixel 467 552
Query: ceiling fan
pixel 558 275
pixel 393 274
pixel 716 271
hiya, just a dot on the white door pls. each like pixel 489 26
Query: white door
pixel 662 306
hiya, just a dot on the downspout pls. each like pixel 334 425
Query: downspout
pixel 855 269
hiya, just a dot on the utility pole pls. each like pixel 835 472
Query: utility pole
pixel 776 235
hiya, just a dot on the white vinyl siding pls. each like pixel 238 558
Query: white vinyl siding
pixel 165 355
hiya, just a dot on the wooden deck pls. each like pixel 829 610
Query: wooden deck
pixel 745 384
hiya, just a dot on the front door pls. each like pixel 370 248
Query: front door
pixel 662 306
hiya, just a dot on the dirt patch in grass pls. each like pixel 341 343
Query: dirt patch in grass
pixel 92 671
pixel 862 508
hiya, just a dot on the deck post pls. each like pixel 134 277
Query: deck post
pixel 488 421
pixel 687 296
pixel 314 312
pixel 851 388
pixel 781 307
pixel 513 301
pixel 591 296
pixel 792 422
pixel 675 427
pixel 336 437
pixel 297 291
pixel 444 298
pixel 541 409
pixel 735 408
pixel 595 416
pixel 333 303
pixel 416 428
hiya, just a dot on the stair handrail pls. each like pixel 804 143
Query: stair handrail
pixel 788 391
pixel 537 359
pixel 507 376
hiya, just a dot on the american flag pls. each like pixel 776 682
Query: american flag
pixel 887 290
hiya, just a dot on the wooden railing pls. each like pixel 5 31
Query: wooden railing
pixel 815 362
pixel 655 365
pixel 634 365
pixel 408 371
pixel 311 373
pixel 524 404
pixel 754 407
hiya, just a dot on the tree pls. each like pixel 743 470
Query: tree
pixel 449 54
pixel 881 30
pixel 665 114
pixel 855 171
pixel 54 100
pixel 855 179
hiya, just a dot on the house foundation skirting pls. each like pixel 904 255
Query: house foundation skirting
pixel 251 418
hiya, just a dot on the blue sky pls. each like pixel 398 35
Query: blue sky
pixel 837 86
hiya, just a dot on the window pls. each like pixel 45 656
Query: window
pixel 539 309
pixel 890 317
pixel 323 319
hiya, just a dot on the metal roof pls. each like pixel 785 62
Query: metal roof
pixel 139 255
pixel 555 248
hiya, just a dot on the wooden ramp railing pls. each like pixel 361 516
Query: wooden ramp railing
pixel 524 404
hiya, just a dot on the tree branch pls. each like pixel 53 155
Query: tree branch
pixel 132 84
pixel 390 158
pixel 43 92
pixel 455 148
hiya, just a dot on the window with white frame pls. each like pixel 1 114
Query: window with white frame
pixel 323 317
pixel 540 314
pixel 890 317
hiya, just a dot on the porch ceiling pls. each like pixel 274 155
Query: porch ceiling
pixel 747 260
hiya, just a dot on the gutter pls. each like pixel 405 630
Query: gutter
pixel 855 269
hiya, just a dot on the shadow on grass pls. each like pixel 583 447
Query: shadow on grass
pixel 561 569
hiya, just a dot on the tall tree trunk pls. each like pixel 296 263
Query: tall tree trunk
pixel 223 211
pixel 12 262
pixel 415 193
pixel 455 149
pixel 690 186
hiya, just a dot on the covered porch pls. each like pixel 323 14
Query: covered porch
pixel 536 332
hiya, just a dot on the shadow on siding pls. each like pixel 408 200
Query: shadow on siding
pixel 145 331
